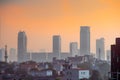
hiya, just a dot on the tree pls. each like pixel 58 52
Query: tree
pixel 57 79
pixel 95 75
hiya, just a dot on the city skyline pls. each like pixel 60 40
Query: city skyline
pixel 51 49
pixel 65 20
pixel 59 39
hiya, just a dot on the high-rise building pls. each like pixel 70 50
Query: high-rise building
pixel 12 55
pixel 115 60
pixel 100 49
pixel 73 49
pixel 22 46
pixel 108 52
pixel 84 40
pixel 57 45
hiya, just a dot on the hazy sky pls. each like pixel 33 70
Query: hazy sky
pixel 41 19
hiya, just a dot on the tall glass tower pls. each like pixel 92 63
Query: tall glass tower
pixel 57 45
pixel 22 46
pixel 84 40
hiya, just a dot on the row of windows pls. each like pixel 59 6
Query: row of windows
pixel 82 72
pixel 70 73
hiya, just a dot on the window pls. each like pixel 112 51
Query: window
pixel 83 73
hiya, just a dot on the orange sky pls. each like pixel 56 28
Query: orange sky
pixel 41 19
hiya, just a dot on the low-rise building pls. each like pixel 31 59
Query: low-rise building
pixel 74 73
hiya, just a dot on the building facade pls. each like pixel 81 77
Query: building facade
pixel 12 55
pixel 73 49
pixel 115 60
pixel 100 49
pixel 84 40
pixel 22 46
pixel 57 46
pixel 75 73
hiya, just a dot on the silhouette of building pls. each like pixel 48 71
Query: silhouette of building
pixel 73 49
pixel 115 60
pixel 22 46
pixel 100 50
pixel 57 46
pixel 84 40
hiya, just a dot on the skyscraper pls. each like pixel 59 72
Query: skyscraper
pixel 57 45
pixel 22 46
pixel 115 60
pixel 84 40
pixel 100 49
pixel 73 49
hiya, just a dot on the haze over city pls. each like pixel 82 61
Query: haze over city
pixel 59 39
pixel 58 17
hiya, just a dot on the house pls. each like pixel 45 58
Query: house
pixel 71 73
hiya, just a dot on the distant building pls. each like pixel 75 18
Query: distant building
pixel 100 49
pixel 38 57
pixel 22 46
pixel 75 60
pixel 2 54
pixel 84 40
pixel 65 55
pixel 73 49
pixel 57 45
pixel 27 56
pixel 12 55
pixel 115 60
pixel 108 52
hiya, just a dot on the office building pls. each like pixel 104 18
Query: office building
pixel 84 40
pixel 57 46
pixel 12 55
pixel 73 49
pixel 38 57
pixel 22 46
pixel 100 49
